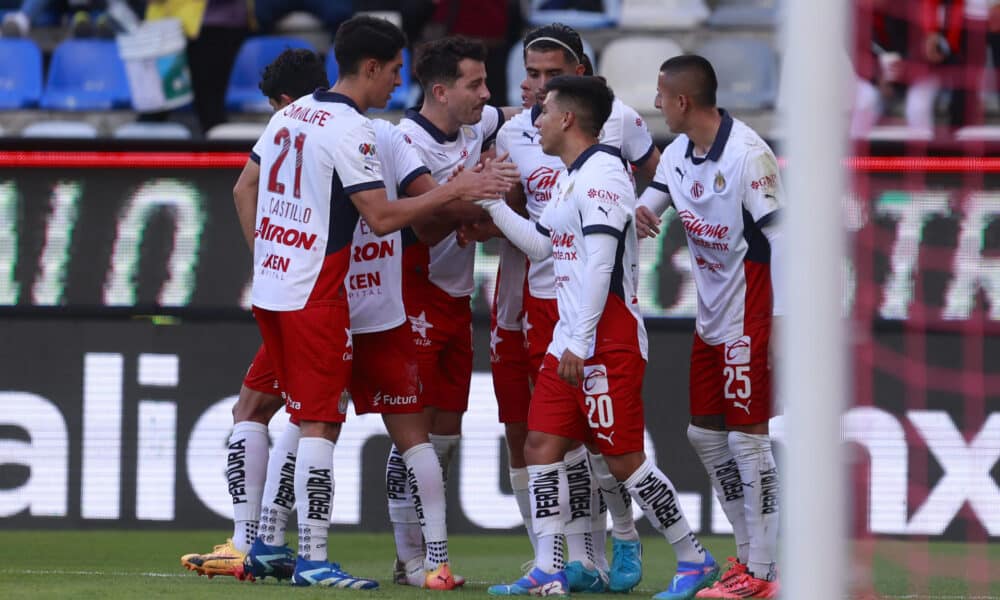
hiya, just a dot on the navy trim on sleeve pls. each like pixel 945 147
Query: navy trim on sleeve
pixel 656 185
pixel 254 157
pixel 607 229
pixel 542 230
pixel 405 183
pixel 500 121
pixel 769 218
pixel 642 159
pixel 758 246
pixel 361 187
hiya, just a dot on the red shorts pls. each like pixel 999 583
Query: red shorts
pixel 511 374
pixel 733 379
pixel 443 338
pixel 311 353
pixel 260 376
pixel 540 317
pixel 606 409
pixel 384 378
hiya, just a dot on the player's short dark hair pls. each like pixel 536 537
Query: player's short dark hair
pixel 556 31
pixel 437 60
pixel 295 73
pixel 589 98
pixel 702 76
pixel 362 37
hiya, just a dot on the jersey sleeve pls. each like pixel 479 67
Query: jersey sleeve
pixel 407 161
pixel 656 196
pixel 605 203
pixel 762 191
pixel 491 122
pixel 258 147
pixel 637 142
pixel 356 160
pixel 502 143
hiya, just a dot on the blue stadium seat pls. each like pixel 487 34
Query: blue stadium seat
pixel 86 75
pixel 747 69
pixel 399 96
pixel 243 93
pixel 543 12
pixel 20 74
pixel 744 13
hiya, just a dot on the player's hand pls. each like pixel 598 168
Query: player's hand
pixel 570 368
pixel 647 224
pixel 492 180
pixel 477 232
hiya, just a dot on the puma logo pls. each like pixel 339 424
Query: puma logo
pixel 606 438
pixel 531 138
pixel 679 172
pixel 745 407
pixel 607 213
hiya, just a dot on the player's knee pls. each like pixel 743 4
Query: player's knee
pixel 255 406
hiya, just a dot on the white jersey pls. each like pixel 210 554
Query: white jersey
pixel 624 130
pixel 313 155
pixel 512 269
pixel 722 200
pixel 595 196
pixel 375 280
pixel 451 267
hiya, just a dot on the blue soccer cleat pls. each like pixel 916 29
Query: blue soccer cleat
pixel 326 574
pixel 626 565
pixel 265 560
pixel 535 583
pixel 582 579
pixel 690 578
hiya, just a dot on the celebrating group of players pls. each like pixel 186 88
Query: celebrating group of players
pixel 378 303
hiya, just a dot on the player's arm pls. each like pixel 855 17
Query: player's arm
pixel 646 169
pixel 763 199
pixel 637 145
pixel 435 228
pixel 653 202
pixel 530 237
pixel 245 198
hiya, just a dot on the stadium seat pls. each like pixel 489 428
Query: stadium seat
pixel 243 93
pixel 899 133
pixel 744 13
pixel 20 74
pixel 86 75
pixel 249 131
pixel 152 131
pixel 663 14
pixel 60 129
pixel 631 64
pixel 516 72
pixel 978 133
pixel 543 12
pixel 747 69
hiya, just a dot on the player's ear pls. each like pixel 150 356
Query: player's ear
pixel 372 67
pixel 439 91
pixel 568 119
pixel 580 69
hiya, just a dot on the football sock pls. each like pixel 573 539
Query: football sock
pixel 549 501
pixel 246 468
pixel 579 541
pixel 314 496
pixel 402 514
pixel 427 489
pixel 445 447
pixel 598 518
pixel 519 483
pixel 760 476
pixel 617 498
pixel 279 491
pixel 712 447
pixel 657 497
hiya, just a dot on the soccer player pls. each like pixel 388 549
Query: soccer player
pixel 450 131
pixel 551 51
pixel 307 209
pixel 589 386
pixel 723 181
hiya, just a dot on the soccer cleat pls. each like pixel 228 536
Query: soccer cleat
pixel 224 559
pixel 399 572
pixel 626 565
pixel 265 560
pixel 327 574
pixel 440 578
pixel 581 579
pixel 690 578
pixel 736 568
pixel 535 583
pixel 413 573
pixel 745 585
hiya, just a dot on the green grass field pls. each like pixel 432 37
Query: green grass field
pixel 118 564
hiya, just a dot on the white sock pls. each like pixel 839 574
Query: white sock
pixel 654 492
pixel 402 514
pixel 760 495
pixel 279 491
pixel 314 496
pixel 445 446
pixel 246 468
pixel 549 501
pixel 712 447
pixel 519 483
pixel 617 498
pixel 427 488
pixel 598 520
pixel 579 541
